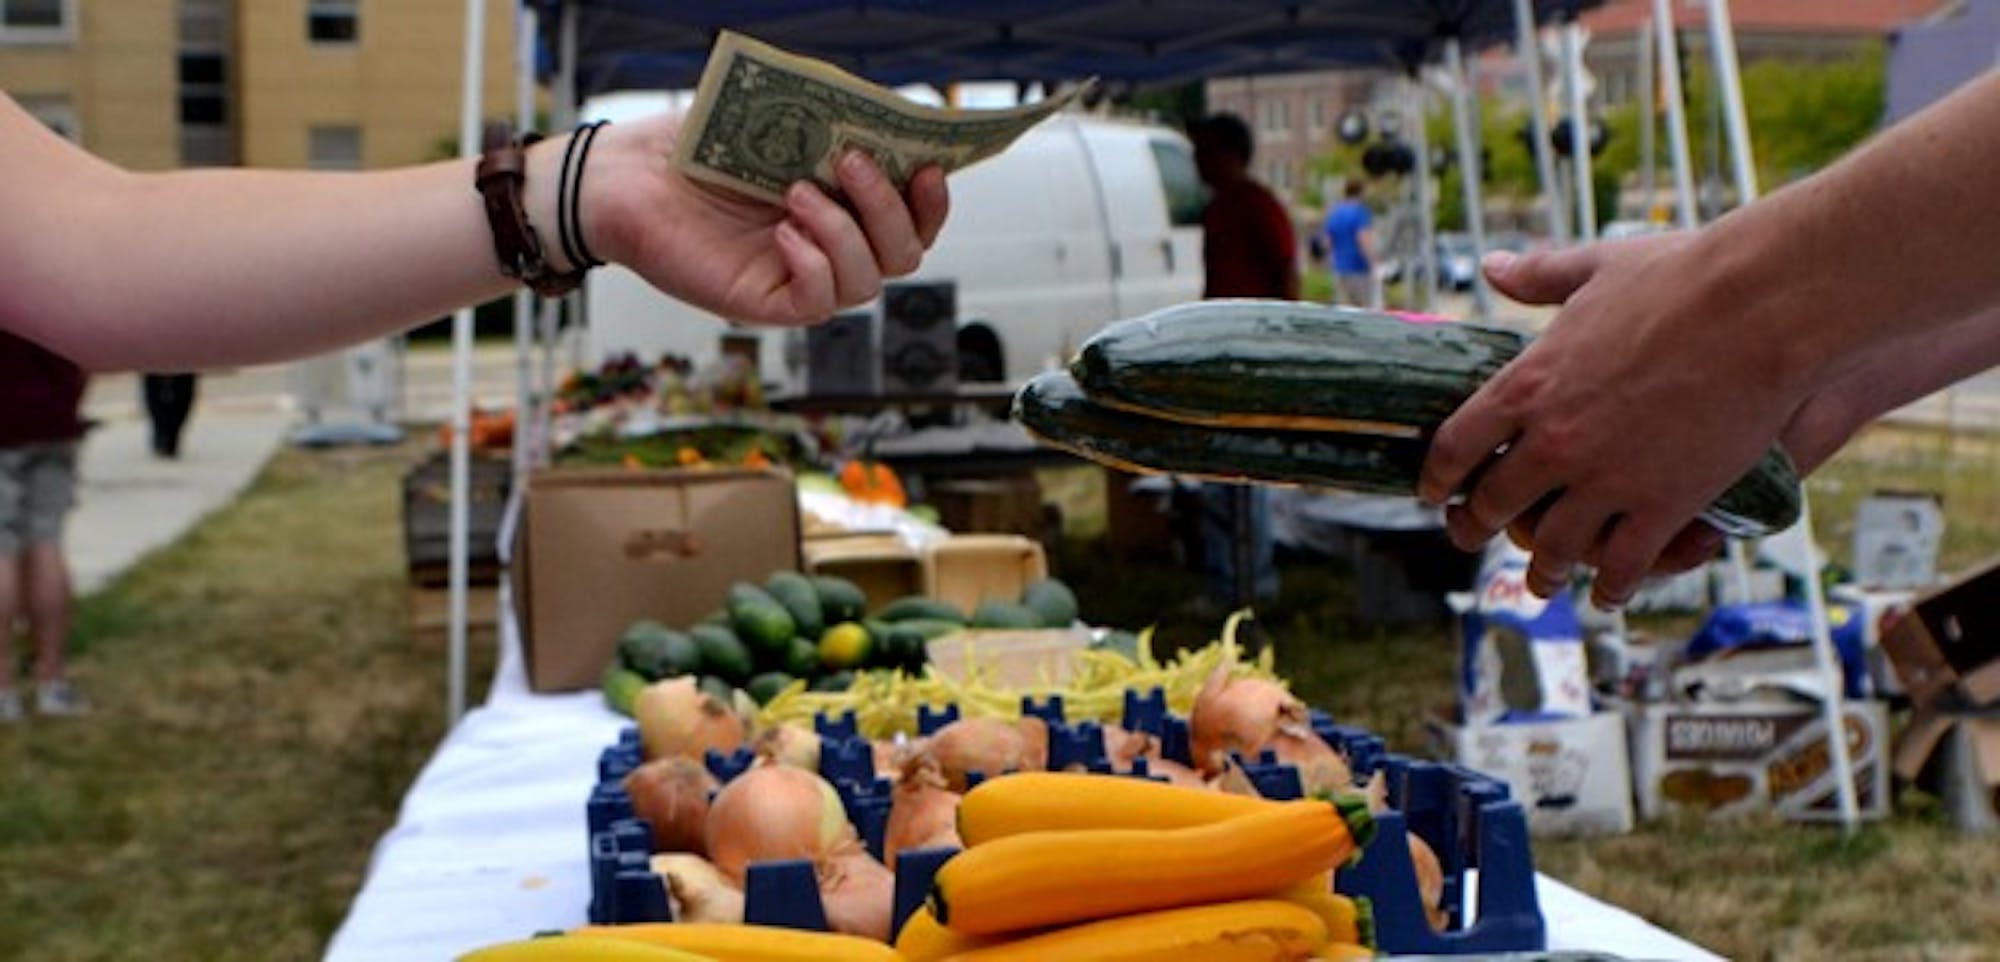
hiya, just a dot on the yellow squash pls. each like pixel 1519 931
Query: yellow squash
pixel 924 940
pixel 1042 879
pixel 1347 919
pixel 746 943
pixel 1054 801
pixel 579 949
pixel 1265 930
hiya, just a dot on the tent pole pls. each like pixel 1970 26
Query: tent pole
pixel 1469 172
pixel 1579 131
pixel 1528 48
pixel 566 102
pixel 1648 170
pixel 1722 41
pixel 1420 139
pixel 1666 37
pixel 526 400
pixel 470 106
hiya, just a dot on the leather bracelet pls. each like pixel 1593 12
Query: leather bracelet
pixel 502 170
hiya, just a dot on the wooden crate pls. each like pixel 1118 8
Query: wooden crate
pixel 430 613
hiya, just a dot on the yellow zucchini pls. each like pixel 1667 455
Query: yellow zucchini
pixel 1041 879
pixel 1056 801
pixel 924 940
pixel 1347 920
pixel 747 943
pixel 1252 931
pixel 578 949
pixel 1343 952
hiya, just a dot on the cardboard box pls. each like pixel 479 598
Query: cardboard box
pixel 1948 646
pixel 1734 759
pixel 596 549
pixel 1571 775
pixel 1017 658
pixel 1896 538
pixel 884 566
pixel 993 505
pixel 1957 756
pixel 968 569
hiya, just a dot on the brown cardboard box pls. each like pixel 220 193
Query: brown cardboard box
pixel 968 569
pixel 993 505
pixel 882 565
pixel 1728 759
pixel 1949 643
pixel 1957 756
pixel 597 549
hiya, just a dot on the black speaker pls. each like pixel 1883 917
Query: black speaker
pixel 919 337
pixel 840 355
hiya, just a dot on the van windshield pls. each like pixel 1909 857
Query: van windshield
pixel 1186 196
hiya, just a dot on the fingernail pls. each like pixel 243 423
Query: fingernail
pixel 855 165
pixel 1498 262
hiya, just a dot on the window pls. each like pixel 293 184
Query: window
pixel 1318 114
pixel 56 113
pixel 334 148
pixel 333 21
pixel 1186 197
pixel 37 20
pixel 204 89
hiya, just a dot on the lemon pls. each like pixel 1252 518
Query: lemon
pixel 844 645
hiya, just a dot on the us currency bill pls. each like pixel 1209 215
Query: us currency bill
pixel 763 118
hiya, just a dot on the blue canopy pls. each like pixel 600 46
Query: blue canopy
pixel 663 44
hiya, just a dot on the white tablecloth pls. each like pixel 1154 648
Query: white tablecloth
pixel 490 842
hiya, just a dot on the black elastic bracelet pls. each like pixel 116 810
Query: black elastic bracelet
pixel 569 199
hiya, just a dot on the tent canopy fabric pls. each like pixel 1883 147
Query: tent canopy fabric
pixel 663 44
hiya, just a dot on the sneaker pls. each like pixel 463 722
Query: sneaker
pixel 60 699
pixel 11 709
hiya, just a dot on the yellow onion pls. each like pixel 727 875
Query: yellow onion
pixel 677 719
pixel 773 813
pixel 671 794
pixel 1430 880
pixel 1175 772
pixel 1321 769
pixel 794 745
pixel 1238 715
pixel 857 892
pixel 923 813
pixel 887 757
pixel 698 890
pixel 988 746
pixel 1122 745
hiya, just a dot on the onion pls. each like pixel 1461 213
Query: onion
pixel 671 794
pixel 1377 793
pixel 988 746
pixel 858 893
pixel 676 718
pixel 1122 745
pixel 1430 880
pixel 887 755
pixel 1232 780
pixel 793 745
pixel 1238 715
pixel 1321 769
pixel 774 812
pixel 698 890
pixel 923 813
pixel 1175 772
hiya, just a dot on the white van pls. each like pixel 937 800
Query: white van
pixel 1083 221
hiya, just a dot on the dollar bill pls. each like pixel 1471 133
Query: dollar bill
pixel 763 119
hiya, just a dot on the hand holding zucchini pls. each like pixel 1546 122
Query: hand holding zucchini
pixel 1292 393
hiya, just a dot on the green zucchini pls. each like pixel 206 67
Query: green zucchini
pixel 1280 364
pixel 1054 407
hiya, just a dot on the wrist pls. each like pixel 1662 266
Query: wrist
pixel 541 197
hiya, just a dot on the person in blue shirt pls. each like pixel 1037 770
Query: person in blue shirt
pixel 1351 247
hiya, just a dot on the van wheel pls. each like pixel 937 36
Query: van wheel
pixel 979 356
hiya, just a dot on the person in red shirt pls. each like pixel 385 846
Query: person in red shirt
pixel 39 429
pixel 1248 249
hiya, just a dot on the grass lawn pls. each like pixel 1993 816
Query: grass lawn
pixel 262 709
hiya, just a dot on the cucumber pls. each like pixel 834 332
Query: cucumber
pixel 838 681
pixel 1005 614
pixel 800 599
pixel 1280 364
pixel 803 659
pixel 839 599
pixel 1052 601
pixel 930 628
pixel 766 686
pixel 1055 409
pixel 656 651
pixel 621 687
pixel 918 606
pixel 764 624
pixel 722 653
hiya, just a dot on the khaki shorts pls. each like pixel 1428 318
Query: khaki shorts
pixel 37 488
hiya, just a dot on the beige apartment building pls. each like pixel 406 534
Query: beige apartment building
pixel 1293 118
pixel 332 84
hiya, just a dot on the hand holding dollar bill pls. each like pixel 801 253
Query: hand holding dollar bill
pixel 763 119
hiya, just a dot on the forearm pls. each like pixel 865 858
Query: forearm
pixel 1891 242
pixel 217 267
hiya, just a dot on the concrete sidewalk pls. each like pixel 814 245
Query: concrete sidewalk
pixel 130 503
